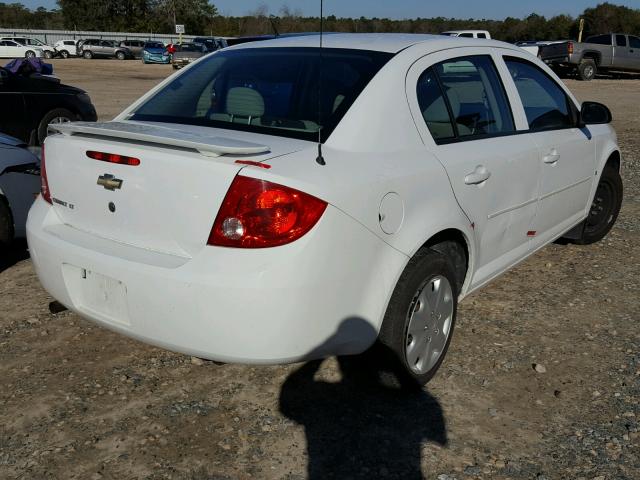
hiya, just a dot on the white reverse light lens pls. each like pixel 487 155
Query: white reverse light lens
pixel 232 228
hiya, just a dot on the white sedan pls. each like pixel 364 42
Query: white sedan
pixel 272 204
pixel 13 49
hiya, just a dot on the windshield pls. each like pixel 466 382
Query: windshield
pixel 153 45
pixel 267 90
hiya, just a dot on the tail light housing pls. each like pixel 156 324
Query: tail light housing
pixel 570 48
pixel 260 214
pixel 113 158
pixel 44 183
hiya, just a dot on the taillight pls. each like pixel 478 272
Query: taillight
pixel 44 183
pixel 570 46
pixel 113 158
pixel 260 214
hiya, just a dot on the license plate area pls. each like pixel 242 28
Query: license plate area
pixel 97 295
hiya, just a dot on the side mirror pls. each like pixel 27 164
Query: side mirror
pixel 594 113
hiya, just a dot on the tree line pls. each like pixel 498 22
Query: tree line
pixel 202 18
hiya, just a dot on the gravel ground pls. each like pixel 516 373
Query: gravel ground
pixel 542 380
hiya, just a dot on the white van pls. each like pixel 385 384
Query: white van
pixel 468 33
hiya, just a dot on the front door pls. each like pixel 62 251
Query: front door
pixel 461 106
pixel 566 153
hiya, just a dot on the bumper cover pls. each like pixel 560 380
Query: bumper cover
pixel 274 305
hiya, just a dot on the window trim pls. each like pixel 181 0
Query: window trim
pixel 468 138
pixel 573 109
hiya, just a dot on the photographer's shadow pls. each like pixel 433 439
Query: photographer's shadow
pixel 370 424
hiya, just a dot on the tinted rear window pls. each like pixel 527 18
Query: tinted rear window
pixel 600 39
pixel 267 90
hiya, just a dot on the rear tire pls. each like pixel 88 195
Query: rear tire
pixel 419 322
pixel 587 70
pixel 58 115
pixel 120 55
pixel 6 225
pixel 87 54
pixel 48 54
pixel 29 54
pixel 604 208
pixel 64 54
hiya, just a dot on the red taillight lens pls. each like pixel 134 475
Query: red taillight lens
pixel 113 158
pixel 260 214
pixel 44 183
pixel 570 47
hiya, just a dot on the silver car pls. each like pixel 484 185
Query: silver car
pixel 19 186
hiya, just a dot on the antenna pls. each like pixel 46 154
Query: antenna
pixel 320 158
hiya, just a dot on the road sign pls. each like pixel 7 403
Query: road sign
pixel 180 29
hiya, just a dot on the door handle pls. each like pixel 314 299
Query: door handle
pixel 552 157
pixel 478 176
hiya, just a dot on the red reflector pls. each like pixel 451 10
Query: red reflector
pixel 253 164
pixel 571 48
pixel 531 233
pixel 44 183
pixel 113 158
pixel 260 214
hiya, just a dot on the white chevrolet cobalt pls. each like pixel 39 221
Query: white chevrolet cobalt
pixel 248 207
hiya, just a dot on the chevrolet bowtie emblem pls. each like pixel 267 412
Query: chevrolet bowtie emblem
pixel 109 182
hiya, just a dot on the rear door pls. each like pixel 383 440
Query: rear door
pixel 462 110
pixel 566 153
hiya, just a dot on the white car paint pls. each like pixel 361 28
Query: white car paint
pixel 11 49
pixel 149 274
pixel 68 46
pixel 47 50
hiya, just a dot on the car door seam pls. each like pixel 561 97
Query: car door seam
pixel 560 190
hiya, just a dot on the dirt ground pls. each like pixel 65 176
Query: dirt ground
pixel 80 402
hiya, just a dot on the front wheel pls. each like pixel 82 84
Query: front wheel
pixel 48 54
pixel 87 54
pixel 64 54
pixel 29 54
pixel 120 55
pixel 604 209
pixel 420 318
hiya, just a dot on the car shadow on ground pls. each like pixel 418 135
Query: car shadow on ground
pixel 13 254
pixel 371 424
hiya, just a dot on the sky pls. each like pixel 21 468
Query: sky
pixel 398 9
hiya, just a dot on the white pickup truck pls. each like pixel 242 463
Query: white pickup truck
pixel 600 53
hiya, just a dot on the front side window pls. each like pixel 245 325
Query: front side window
pixel 621 41
pixel 634 42
pixel 287 92
pixel 469 94
pixel 546 105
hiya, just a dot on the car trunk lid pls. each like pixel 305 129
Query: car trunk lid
pixel 165 203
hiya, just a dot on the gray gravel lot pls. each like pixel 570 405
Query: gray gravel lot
pixel 542 380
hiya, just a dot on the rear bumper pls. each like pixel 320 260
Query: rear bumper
pixel 245 306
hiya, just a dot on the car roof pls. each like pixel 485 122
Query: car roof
pixel 382 42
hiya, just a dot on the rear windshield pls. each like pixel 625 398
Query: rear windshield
pixel 189 47
pixel 275 91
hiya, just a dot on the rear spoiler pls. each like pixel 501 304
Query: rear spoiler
pixel 206 145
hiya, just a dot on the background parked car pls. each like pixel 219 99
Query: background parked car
pixel 186 53
pixel 19 185
pixel 467 33
pixel 599 53
pixel 136 46
pixel 211 43
pixel 91 48
pixel 31 103
pixel 155 52
pixel 66 48
pixel 12 49
pixel 47 50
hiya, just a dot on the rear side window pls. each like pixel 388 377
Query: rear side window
pixel 546 105
pixel 464 99
pixel 600 39
pixel 466 35
pixel 621 41
pixel 482 35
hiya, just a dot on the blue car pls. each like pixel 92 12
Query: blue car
pixel 155 52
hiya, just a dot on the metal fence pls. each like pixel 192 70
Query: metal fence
pixel 52 36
